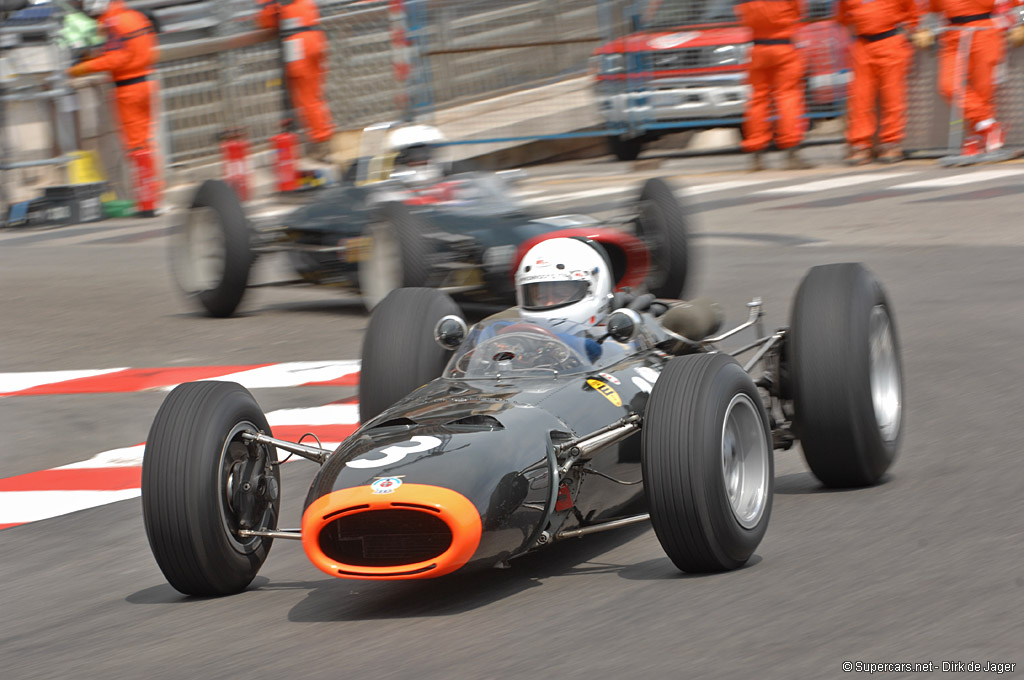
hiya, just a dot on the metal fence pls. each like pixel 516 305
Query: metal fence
pixel 490 72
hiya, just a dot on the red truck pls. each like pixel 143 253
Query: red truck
pixel 683 66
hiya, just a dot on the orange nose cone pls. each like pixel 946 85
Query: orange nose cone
pixel 391 531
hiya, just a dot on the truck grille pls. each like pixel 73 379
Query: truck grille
pixel 687 58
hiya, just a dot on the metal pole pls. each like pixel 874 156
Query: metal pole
pixel 956 107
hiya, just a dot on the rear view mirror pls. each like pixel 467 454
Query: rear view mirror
pixel 450 331
pixel 623 324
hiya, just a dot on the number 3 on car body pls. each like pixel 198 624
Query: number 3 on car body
pixel 396 453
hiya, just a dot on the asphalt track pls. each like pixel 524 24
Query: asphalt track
pixel 926 567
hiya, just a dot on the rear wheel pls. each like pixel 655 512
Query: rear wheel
pixel 202 483
pixel 399 350
pixel 662 223
pixel 399 255
pixel 845 375
pixel 625 148
pixel 707 463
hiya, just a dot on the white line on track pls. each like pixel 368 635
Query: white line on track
pixel 15 382
pixel 290 373
pixel 577 195
pixel 331 414
pixel 834 183
pixel 22 507
pixel 697 189
pixel 961 179
pixel 130 456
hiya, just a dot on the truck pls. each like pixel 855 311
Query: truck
pixel 682 65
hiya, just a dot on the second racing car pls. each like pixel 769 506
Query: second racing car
pixel 402 219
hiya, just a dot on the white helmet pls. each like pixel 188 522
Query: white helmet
pixel 95 8
pixel 564 278
pixel 415 148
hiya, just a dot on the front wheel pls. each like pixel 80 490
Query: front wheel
pixel 211 250
pixel 845 375
pixel 707 463
pixel 203 482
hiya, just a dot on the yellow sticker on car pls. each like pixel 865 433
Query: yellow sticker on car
pixel 606 391
pixel 356 249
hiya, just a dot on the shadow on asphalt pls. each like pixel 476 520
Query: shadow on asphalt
pixel 331 599
pixel 804 483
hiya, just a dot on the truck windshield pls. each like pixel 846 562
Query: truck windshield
pixel 531 348
pixel 675 13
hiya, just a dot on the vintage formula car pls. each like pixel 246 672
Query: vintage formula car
pixel 461 234
pixel 479 445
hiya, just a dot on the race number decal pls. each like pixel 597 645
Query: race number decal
pixel 396 453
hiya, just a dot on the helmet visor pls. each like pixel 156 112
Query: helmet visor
pixel 418 154
pixel 550 294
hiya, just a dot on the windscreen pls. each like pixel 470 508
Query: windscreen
pixel 532 348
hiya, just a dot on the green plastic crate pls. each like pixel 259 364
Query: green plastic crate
pixel 119 208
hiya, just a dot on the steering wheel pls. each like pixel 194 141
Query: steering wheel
pixel 518 327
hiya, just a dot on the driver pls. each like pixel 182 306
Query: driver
pixel 565 278
pixel 415 149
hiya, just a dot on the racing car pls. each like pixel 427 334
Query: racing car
pixel 480 445
pixel 386 228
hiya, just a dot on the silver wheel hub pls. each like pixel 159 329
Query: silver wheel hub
pixel 745 464
pixel 381 272
pixel 232 457
pixel 886 391
pixel 202 251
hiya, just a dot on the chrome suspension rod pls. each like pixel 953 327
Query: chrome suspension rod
pixel 312 453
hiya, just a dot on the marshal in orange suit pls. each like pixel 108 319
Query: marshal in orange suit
pixel 986 51
pixel 881 54
pixel 776 73
pixel 305 56
pixel 128 55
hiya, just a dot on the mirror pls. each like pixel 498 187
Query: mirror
pixel 623 324
pixel 450 331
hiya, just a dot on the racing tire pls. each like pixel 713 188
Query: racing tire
pixel 625 148
pixel 399 351
pixel 211 251
pixel 845 375
pixel 707 463
pixel 662 223
pixel 194 496
pixel 400 256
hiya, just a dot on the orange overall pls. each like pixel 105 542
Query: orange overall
pixel 776 72
pixel 881 55
pixel 986 52
pixel 128 54
pixel 305 56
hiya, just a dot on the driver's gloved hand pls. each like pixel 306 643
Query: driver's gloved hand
pixel 592 348
pixel 642 303
pixel 622 299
